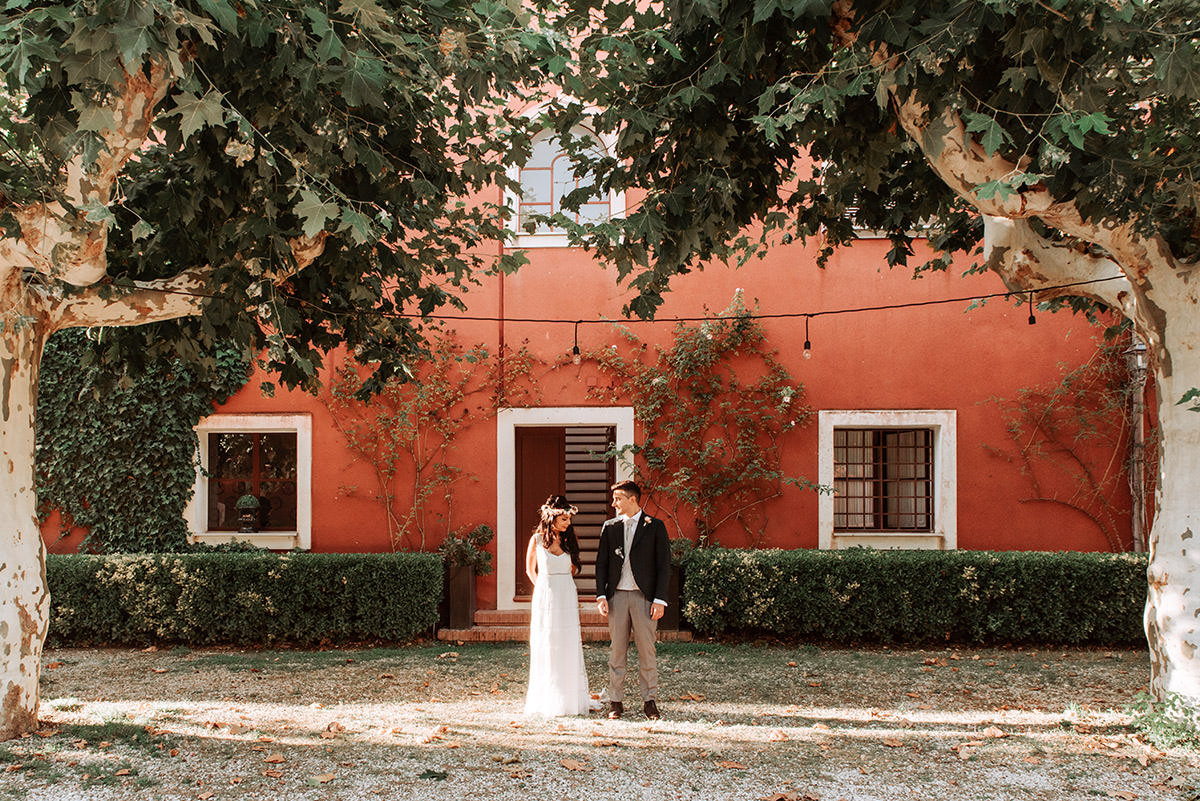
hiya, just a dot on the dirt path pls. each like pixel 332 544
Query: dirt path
pixel 740 722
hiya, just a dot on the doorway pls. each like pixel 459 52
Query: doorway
pixel 543 451
pixel 570 460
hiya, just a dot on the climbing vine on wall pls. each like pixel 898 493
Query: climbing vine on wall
pixel 715 408
pixel 1071 439
pixel 116 453
pixel 407 431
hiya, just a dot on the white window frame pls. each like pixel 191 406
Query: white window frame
pixel 527 241
pixel 197 508
pixel 507 421
pixel 943 424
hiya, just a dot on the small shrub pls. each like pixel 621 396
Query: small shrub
pixel 241 598
pixel 1168 723
pixel 918 596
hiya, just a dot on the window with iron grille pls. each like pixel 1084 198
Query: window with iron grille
pixel 883 479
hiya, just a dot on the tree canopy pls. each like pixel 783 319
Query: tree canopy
pixel 719 107
pixel 215 148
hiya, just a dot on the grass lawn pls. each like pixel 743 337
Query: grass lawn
pixel 739 722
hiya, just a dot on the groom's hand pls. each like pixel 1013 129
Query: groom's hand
pixel 656 611
pixel 602 606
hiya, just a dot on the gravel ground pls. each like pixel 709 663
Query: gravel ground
pixel 739 722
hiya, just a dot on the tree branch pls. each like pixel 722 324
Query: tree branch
pixel 963 164
pixel 56 242
pixel 182 295
pixel 1026 260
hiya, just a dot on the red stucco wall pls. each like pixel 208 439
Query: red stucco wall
pixel 929 357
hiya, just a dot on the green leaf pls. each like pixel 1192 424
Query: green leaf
pixel 994 137
pixel 197 112
pixel 360 228
pixel 141 230
pixel 314 212
pixel 223 13
pixel 97 212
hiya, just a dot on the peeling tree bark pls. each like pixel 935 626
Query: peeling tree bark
pixel 24 599
pixel 50 279
pixel 1160 296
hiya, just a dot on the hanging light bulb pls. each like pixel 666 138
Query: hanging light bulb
pixel 575 357
pixel 1032 319
pixel 807 344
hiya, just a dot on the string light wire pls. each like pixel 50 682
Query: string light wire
pixel 807 315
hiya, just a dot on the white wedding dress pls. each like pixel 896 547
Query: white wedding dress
pixel 557 678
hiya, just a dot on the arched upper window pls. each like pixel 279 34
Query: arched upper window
pixel 546 179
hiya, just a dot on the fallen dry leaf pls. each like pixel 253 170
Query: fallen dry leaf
pixel 207 794
pixel 1125 794
pixel 46 732
pixel 52 665
pixel 275 758
pixel 520 774
pixel 328 735
pixel 731 765
pixel 273 773
pixel 324 778
pixel 892 742
pixel 778 736
pixel 994 731
pixel 691 697
pixel 335 726
pixel 158 670
pixel 122 772
pixel 604 743
pixel 387 675
pixel 792 664
pixel 571 764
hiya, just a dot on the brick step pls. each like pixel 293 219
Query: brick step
pixel 588 616
pixel 517 633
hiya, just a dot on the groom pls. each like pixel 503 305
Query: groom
pixel 633 569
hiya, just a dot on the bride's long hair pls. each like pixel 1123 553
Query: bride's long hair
pixel 554 506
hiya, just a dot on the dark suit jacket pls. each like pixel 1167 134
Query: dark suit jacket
pixel 649 557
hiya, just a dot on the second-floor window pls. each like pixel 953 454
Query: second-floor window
pixel 548 177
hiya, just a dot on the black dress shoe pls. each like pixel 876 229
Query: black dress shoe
pixel 615 710
pixel 651 710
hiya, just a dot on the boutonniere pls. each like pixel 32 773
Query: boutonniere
pixel 649 519
pixel 620 552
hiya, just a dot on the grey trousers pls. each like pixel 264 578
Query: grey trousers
pixel 628 610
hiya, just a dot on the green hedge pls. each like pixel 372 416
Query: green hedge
pixel 918 596
pixel 241 598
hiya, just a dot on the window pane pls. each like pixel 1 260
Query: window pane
pixel 278 510
pixel 535 186
pixel 231 455
pixel 278 456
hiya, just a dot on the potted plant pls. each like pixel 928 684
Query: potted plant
pixel 247 507
pixel 672 619
pixel 464 557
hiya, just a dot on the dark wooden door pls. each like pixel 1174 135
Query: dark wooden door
pixel 541 466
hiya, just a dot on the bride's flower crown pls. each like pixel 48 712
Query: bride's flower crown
pixel 549 512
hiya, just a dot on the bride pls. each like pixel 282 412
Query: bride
pixel 557 678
